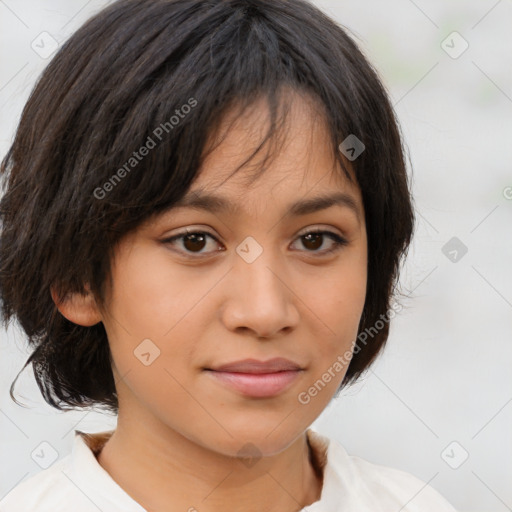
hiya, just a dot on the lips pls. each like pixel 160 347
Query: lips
pixel 278 364
pixel 257 379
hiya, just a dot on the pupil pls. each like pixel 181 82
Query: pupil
pixel 316 239
pixel 194 242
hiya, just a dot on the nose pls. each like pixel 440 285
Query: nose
pixel 260 298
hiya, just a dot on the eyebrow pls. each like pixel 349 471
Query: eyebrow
pixel 217 204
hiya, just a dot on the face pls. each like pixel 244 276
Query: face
pixel 201 286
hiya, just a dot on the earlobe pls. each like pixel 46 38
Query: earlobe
pixel 77 308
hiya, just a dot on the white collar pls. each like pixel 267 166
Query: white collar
pixel 93 480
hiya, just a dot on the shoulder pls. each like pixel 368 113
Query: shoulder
pixel 362 485
pixel 75 479
pixel 48 490
pixel 399 488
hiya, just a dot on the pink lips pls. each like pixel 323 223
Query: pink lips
pixel 255 378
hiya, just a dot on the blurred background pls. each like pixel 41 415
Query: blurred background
pixel 438 402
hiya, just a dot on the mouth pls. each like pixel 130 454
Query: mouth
pixel 258 379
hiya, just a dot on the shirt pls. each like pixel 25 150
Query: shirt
pixel 350 484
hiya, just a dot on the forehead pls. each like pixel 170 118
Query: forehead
pixel 297 163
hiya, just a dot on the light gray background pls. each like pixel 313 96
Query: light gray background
pixel 445 374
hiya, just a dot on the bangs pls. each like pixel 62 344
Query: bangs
pixel 175 118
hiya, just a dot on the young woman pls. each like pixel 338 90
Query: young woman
pixel 206 204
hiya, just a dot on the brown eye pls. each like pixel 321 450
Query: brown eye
pixel 192 242
pixel 313 240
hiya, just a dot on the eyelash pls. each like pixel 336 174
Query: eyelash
pixel 339 242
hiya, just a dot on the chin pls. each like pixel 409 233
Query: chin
pixel 263 440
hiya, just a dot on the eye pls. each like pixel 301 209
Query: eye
pixel 312 240
pixel 193 242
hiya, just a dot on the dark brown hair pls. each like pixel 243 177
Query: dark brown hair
pixel 129 70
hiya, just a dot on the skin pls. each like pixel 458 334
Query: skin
pixel 179 433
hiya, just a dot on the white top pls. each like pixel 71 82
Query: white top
pixel 350 484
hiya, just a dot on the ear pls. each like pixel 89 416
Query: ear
pixel 77 308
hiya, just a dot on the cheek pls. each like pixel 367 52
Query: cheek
pixel 157 310
pixel 341 294
pixel 151 296
pixel 338 299
pixel 340 309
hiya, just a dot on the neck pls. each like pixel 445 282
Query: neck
pixel 163 470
